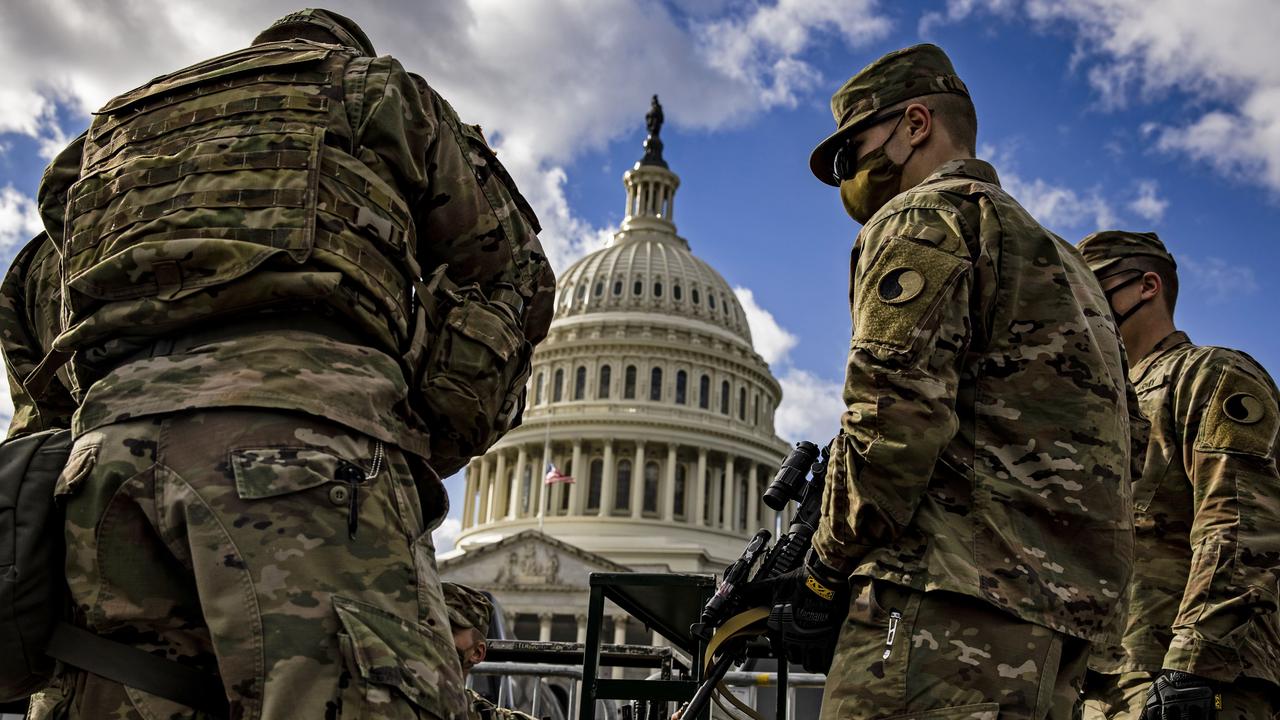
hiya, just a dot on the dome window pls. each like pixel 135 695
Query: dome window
pixel 606 377
pixel 742 403
pixel 711 301
pixel 650 494
pixel 629 383
pixel 725 304
pixel 617 287
pixel 557 388
pixel 580 383
pixel 696 299
pixel 724 397
pixel 676 293
pixel 704 392
pixel 594 485
pixel 655 384
pixel 657 289
pixel 622 501
pixel 638 288
pixel 537 389
pixel 682 387
pixel 599 288
pixel 682 482
pixel 582 293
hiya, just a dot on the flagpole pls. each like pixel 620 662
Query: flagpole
pixel 544 494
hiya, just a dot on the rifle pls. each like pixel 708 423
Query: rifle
pixel 785 555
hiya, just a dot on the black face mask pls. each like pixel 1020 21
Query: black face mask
pixel 1121 317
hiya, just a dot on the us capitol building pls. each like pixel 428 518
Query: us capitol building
pixel 648 392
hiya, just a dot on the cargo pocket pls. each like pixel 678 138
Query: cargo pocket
pixel 395 669
pixel 977 711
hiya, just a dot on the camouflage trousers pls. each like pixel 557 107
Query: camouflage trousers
pixel 1120 697
pixel 948 656
pixel 282 552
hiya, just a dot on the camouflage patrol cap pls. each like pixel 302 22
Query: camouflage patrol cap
pixel 468 607
pixel 1105 249
pixel 901 75
pixel 342 28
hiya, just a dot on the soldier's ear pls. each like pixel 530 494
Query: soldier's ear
pixel 919 123
pixel 480 650
pixel 1152 286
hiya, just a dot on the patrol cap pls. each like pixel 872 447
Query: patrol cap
pixel 468 607
pixel 1107 248
pixel 342 28
pixel 901 75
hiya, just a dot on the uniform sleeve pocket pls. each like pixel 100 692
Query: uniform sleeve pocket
pixel 390 658
pixel 900 293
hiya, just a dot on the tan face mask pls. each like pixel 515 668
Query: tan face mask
pixel 877 180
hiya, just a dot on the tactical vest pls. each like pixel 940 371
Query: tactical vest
pixel 234 186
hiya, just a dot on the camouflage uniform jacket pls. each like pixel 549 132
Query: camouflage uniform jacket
pixel 1205 597
pixel 395 165
pixel 28 322
pixel 985 449
pixel 479 708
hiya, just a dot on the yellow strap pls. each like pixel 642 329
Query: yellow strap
pixel 723 690
pixel 736 625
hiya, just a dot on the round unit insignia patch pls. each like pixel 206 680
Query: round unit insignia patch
pixel 900 285
pixel 1243 408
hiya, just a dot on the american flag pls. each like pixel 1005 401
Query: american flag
pixel 555 476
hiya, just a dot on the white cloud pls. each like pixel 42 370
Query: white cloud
pixel 1221 53
pixel 771 340
pixel 548 79
pixel 447 534
pixel 1058 206
pixel 19 218
pixel 1215 280
pixel 1148 205
pixel 811 407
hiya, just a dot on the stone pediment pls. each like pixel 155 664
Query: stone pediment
pixel 529 560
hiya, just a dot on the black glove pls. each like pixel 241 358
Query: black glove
pixel 1177 695
pixel 809 605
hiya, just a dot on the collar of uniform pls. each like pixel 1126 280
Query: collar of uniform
pixel 1170 341
pixel 967 167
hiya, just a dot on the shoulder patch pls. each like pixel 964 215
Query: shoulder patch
pixel 1241 417
pixel 900 290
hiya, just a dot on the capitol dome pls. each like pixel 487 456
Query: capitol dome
pixel 648 393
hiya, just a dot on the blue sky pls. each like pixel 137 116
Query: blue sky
pixel 1143 115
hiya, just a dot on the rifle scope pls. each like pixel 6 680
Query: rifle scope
pixel 789 482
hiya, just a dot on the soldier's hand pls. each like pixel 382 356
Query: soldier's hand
pixel 809 604
pixel 1177 695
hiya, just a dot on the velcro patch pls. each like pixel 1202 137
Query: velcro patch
pixel 1241 417
pixel 819 589
pixel 898 294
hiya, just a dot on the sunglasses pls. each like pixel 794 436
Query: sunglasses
pixel 844 165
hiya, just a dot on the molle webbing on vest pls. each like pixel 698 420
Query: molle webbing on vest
pixel 218 173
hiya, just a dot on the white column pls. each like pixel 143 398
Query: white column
pixel 669 487
pixel 620 630
pixel 580 475
pixel 544 627
pixel 500 491
pixel 522 461
pixel 486 490
pixel 637 480
pixel 469 487
pixel 753 498
pixel 607 487
pixel 699 490
pixel 582 627
pixel 730 494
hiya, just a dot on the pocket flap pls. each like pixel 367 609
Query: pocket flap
pixel 977 711
pixel 486 326
pixel 388 650
pixel 268 472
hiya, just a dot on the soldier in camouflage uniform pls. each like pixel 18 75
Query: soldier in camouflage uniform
pixel 976 530
pixel 257 256
pixel 470 613
pixel 1204 601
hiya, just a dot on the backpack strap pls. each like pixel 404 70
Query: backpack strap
pixel 139 669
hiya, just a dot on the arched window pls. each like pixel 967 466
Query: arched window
pixel 617 287
pixel 638 287
pixel 741 519
pixel 594 485
pixel 582 293
pixel 676 292
pixel 755 420
pixel 537 389
pixel 724 398
pixel 696 298
pixel 557 389
pixel 650 505
pixel 599 288
pixel 655 384
pixel 563 489
pixel 526 487
pixel 622 498
pixel 725 304
pixel 682 481
pixel 742 403
pixel 629 383
pixel 682 387
pixel 602 387
pixel 580 383
pixel 711 300
pixel 704 392
pixel 657 289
